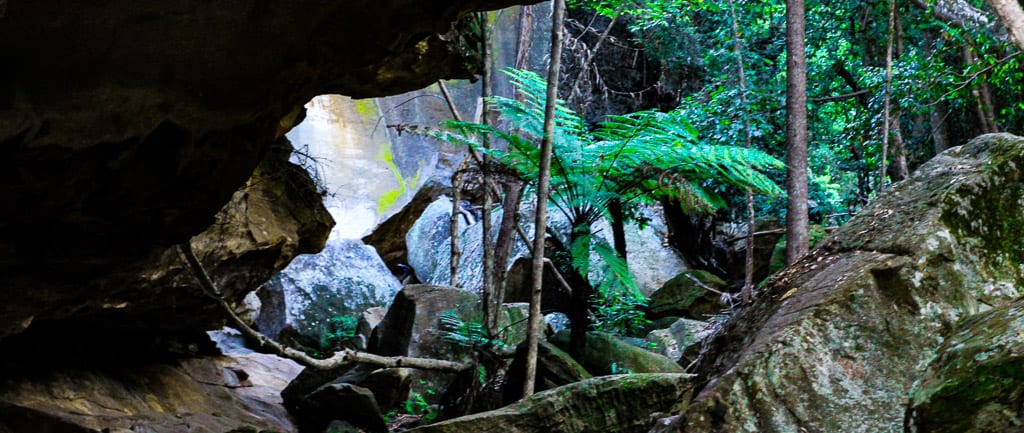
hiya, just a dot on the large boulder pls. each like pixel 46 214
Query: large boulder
pixel 682 339
pixel 620 404
pixel 695 294
pixel 429 243
pixel 412 328
pixel 650 261
pixel 275 217
pixel 317 295
pixel 976 381
pixel 388 237
pixel 608 354
pixel 835 342
pixel 212 394
pixel 554 368
pixel 341 401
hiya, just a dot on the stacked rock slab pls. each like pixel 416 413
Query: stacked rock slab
pixel 837 340
pixel 619 404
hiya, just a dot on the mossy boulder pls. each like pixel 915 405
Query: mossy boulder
pixel 554 368
pixel 620 404
pixel 687 295
pixel 976 382
pixel 681 340
pixel 607 354
pixel 835 342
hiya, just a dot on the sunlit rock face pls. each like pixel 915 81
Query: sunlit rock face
pixel 125 126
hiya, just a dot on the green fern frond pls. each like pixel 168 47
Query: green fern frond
pixel 615 267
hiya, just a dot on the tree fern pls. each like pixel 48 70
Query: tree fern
pixel 626 158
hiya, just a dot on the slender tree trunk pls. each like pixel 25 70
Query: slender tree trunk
pixel 886 120
pixel 937 121
pixel 747 292
pixel 982 96
pixel 456 248
pixel 491 303
pixel 506 237
pixel 1012 16
pixel 899 169
pixel 525 36
pixel 796 133
pixel 543 191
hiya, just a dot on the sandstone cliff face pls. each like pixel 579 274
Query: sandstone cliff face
pixel 126 125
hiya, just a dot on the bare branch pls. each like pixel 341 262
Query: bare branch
pixel 957 13
pixel 1012 16
pixel 339 359
pixel 842 97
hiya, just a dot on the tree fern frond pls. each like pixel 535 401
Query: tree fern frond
pixel 580 251
pixel 615 266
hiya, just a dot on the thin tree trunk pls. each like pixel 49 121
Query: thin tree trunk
pixel 888 97
pixel 796 132
pixel 543 191
pixel 491 303
pixel 506 236
pixel 937 121
pixel 982 95
pixel 899 169
pixel 456 248
pixel 1012 16
pixel 525 36
pixel 747 292
pixel 339 359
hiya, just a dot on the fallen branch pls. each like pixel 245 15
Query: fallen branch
pixel 339 359
pixel 772 232
pixel 554 271
pixel 851 95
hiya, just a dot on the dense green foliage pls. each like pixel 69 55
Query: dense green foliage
pixel 937 86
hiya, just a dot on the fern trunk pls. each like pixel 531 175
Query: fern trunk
pixel 582 291
pixel 618 226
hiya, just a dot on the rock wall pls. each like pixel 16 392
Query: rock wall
pixel 126 125
pixel 277 216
